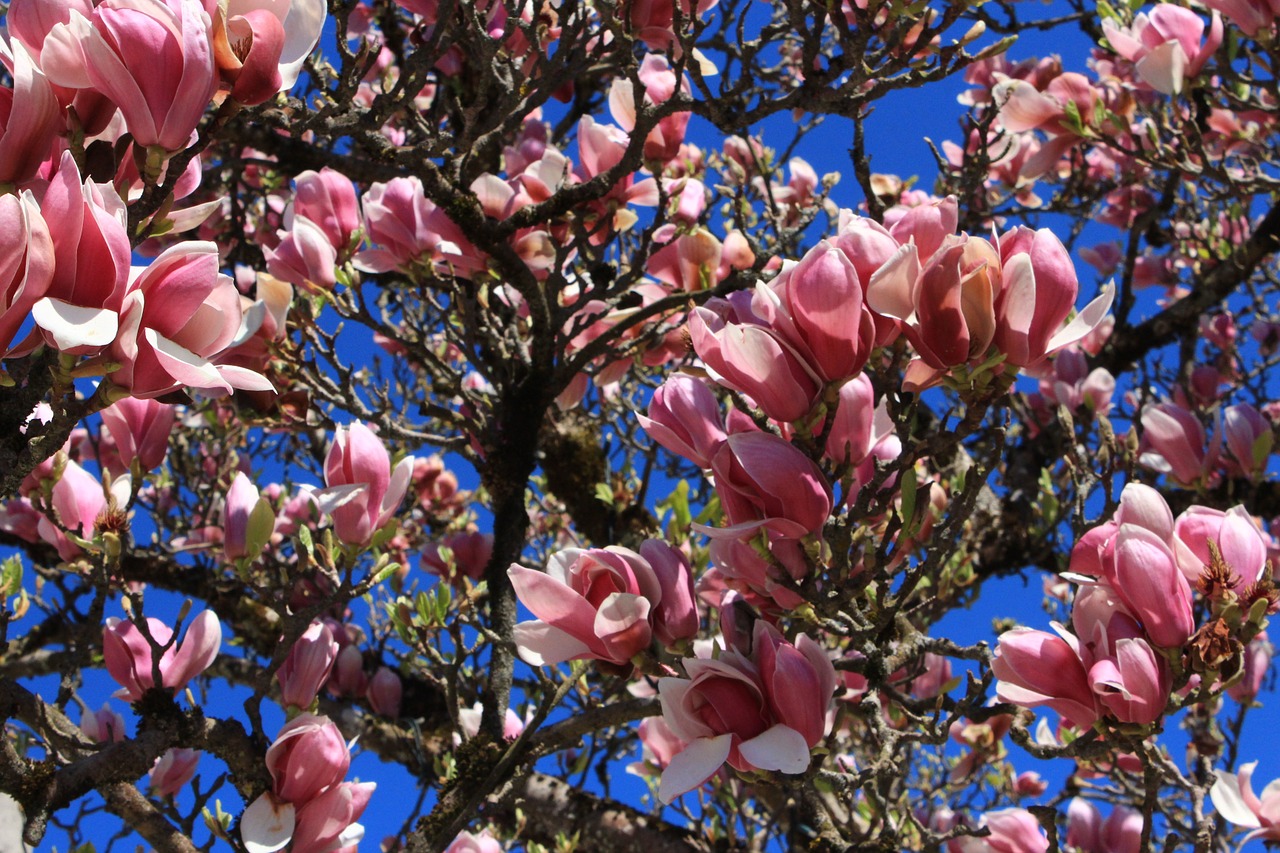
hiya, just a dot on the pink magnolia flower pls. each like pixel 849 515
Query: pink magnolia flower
pixel 308 756
pixel 363 491
pixel 179 315
pixel 762 712
pixel 684 417
pixel 1173 443
pixel 307 667
pixel 140 430
pixel 154 60
pixel 79 313
pixel 1037 669
pixel 604 603
pixel 763 481
pixel 1235 800
pixel 470 551
pixel 1012 831
pixel 305 256
pixel 816 307
pixel 172 771
pixel 1249 438
pixel 1250 16
pixel 407 229
pixel 30 116
pixel 1234 533
pixel 78 500
pixel 945 301
pixel 1038 290
pixel 328 199
pixel 129 659
pixel 660 83
pixel 247 48
pixel 753 359
pixel 1165 45
pixel 26 261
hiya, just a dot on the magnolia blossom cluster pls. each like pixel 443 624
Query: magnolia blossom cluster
pixel 309 804
pixel 1134 606
pixel 150 329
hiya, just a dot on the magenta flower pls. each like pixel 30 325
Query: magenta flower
pixel 1037 291
pixel 363 491
pixel 1037 669
pixel 756 361
pixel 816 307
pixel 308 756
pixel 385 692
pixel 79 313
pixel 760 712
pixel 248 520
pixel 155 61
pixel 140 430
pixel 129 660
pixel 179 315
pixel 763 481
pixel 307 667
pixel 604 603
pixel 684 417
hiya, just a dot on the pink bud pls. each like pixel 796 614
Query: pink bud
pixel 348 673
pixel 308 756
pixel 1249 438
pixel 173 770
pixel 684 417
pixel 1257 664
pixel 849 440
pixel 103 725
pixel 248 520
pixel 328 199
pixel 140 429
pixel 307 667
pixel 1035 669
pixel 384 693
pixel 471 553
pixel 675 615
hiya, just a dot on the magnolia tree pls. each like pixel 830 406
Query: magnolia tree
pixel 278 280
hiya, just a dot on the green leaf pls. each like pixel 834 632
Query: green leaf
pixel 604 494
